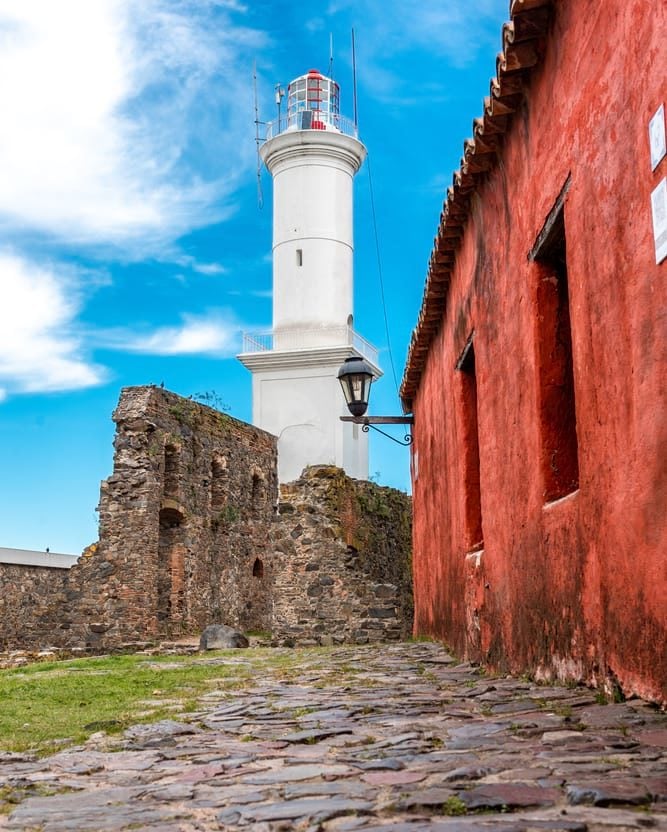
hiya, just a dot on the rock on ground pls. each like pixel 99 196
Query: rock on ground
pixel 221 637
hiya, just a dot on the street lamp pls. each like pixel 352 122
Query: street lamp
pixel 355 377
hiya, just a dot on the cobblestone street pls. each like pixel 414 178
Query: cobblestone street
pixel 394 737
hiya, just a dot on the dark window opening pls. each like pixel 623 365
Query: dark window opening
pixel 299 257
pixel 258 569
pixel 474 537
pixel 171 471
pixel 556 402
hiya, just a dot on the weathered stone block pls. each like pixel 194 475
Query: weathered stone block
pixel 382 612
pixel 384 591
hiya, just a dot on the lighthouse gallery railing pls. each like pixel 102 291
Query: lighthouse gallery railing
pixel 305 339
pixel 312 120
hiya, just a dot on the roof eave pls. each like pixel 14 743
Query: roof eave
pixel 522 40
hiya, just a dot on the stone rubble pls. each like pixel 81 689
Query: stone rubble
pixel 386 737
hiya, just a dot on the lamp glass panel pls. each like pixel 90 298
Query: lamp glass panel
pixel 356 388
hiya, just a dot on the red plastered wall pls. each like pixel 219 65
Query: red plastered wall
pixel 575 588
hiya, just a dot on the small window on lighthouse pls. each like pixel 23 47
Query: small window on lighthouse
pixel 299 257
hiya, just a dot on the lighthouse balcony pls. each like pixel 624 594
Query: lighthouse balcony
pixel 312 120
pixel 303 340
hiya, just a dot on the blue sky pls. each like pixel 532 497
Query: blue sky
pixel 132 248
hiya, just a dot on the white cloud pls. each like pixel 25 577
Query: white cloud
pixel 211 334
pixel 40 349
pixel 189 262
pixel 208 268
pixel 122 119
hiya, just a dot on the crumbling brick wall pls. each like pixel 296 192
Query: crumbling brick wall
pixel 183 520
pixel 342 561
pixel 26 602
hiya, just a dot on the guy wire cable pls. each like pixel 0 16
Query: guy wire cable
pixel 379 261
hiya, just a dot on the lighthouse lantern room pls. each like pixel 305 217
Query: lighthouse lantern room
pixel 312 154
pixel 313 102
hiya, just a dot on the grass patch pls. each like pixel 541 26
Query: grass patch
pixel 297 713
pixel 50 701
pixel 50 705
pixel 454 806
pixel 563 710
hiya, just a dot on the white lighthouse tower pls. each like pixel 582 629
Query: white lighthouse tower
pixel 312 154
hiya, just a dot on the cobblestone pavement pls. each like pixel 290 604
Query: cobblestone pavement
pixel 396 737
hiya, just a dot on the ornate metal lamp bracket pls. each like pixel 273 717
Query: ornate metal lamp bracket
pixel 368 422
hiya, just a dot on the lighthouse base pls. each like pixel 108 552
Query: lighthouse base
pixel 297 397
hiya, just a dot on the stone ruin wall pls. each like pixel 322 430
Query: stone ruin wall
pixel 26 603
pixel 192 532
pixel 184 518
pixel 342 550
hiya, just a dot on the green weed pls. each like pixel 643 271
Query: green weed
pixel 454 806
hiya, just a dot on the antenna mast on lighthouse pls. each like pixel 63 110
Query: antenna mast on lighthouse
pixel 260 195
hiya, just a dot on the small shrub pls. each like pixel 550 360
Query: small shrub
pixel 454 806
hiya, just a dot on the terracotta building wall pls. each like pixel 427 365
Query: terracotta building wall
pixel 573 587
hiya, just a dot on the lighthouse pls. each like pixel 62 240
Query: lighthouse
pixel 313 154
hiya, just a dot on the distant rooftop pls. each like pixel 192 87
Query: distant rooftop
pixel 25 557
